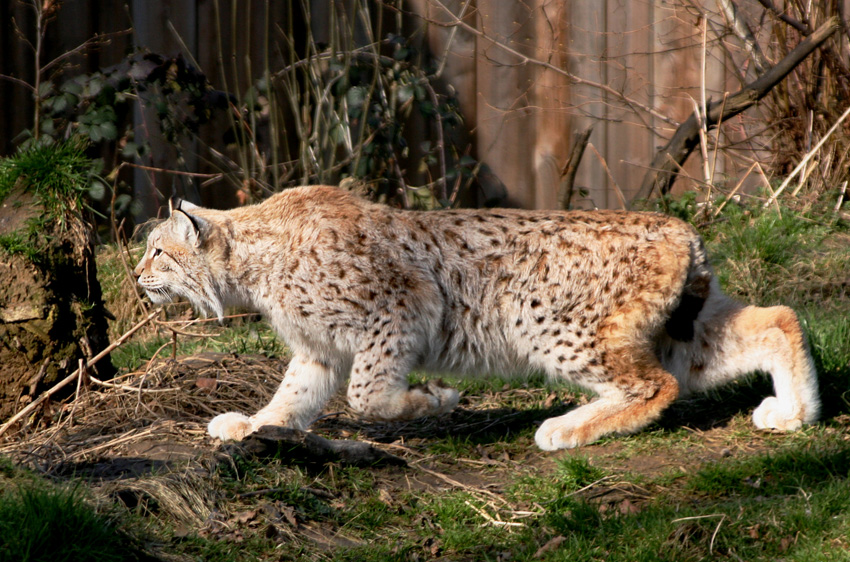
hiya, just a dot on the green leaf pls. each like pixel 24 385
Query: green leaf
pixel 108 131
pixel 72 87
pixel 44 89
pixel 97 190
pixel 356 96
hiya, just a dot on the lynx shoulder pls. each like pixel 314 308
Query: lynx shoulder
pixel 624 304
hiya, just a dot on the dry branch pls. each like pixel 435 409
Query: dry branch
pixel 568 176
pixel 662 170
pixel 809 155
pixel 294 445
pixel 736 22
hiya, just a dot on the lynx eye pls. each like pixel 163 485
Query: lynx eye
pixel 157 252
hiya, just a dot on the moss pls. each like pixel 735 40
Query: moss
pixel 56 176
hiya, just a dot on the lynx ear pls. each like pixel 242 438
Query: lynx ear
pixel 191 228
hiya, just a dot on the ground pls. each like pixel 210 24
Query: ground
pixel 142 445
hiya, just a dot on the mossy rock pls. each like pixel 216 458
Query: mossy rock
pixel 51 307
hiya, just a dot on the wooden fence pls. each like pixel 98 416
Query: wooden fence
pixel 527 74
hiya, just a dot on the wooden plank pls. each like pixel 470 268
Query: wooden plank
pixel 503 131
pixel 629 67
pixel 588 24
pixel 166 27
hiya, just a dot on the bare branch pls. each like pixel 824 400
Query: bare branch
pixel 798 25
pixel 568 176
pixel 742 30
pixel 685 139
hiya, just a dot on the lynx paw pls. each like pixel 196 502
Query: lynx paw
pixel 772 415
pixel 446 397
pixel 231 425
pixel 556 434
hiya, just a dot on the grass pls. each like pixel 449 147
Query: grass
pixel 40 521
pixel 58 175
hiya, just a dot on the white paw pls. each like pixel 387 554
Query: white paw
pixel 231 425
pixel 446 397
pixel 772 415
pixel 556 434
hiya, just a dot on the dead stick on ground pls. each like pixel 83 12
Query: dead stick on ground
pixel 70 378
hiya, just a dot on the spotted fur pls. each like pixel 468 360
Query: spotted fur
pixel 624 304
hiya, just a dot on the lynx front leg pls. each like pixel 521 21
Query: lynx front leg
pixel 379 390
pixel 303 392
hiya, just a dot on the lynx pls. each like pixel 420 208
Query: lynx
pixel 624 304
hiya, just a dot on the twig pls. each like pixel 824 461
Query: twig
pixel 619 192
pixel 798 25
pixel 108 384
pixel 491 520
pixel 742 30
pixel 806 159
pixel 841 197
pixel 735 189
pixel 455 483
pixel 722 517
pixel 168 171
pixel 589 486
pixel 70 378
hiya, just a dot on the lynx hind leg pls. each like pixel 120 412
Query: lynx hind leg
pixel 378 389
pixel 733 341
pixel 306 387
pixel 635 396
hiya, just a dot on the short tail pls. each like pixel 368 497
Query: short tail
pixel 680 325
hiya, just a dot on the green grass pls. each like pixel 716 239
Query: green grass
pixel 58 174
pixel 41 522
pixel 243 337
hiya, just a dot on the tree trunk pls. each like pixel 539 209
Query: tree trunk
pixel 51 307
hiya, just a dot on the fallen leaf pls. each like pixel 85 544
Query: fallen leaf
pixel 550 400
pixel 628 508
pixel 206 383
pixel 754 531
pixel 385 497
pixel 246 516
pixel 288 513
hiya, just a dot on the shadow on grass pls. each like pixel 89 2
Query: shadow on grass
pixel 474 426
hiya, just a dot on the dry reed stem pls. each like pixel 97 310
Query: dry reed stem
pixel 809 155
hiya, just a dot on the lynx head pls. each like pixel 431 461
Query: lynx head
pixel 182 260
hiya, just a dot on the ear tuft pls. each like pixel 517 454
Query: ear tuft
pixel 183 205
